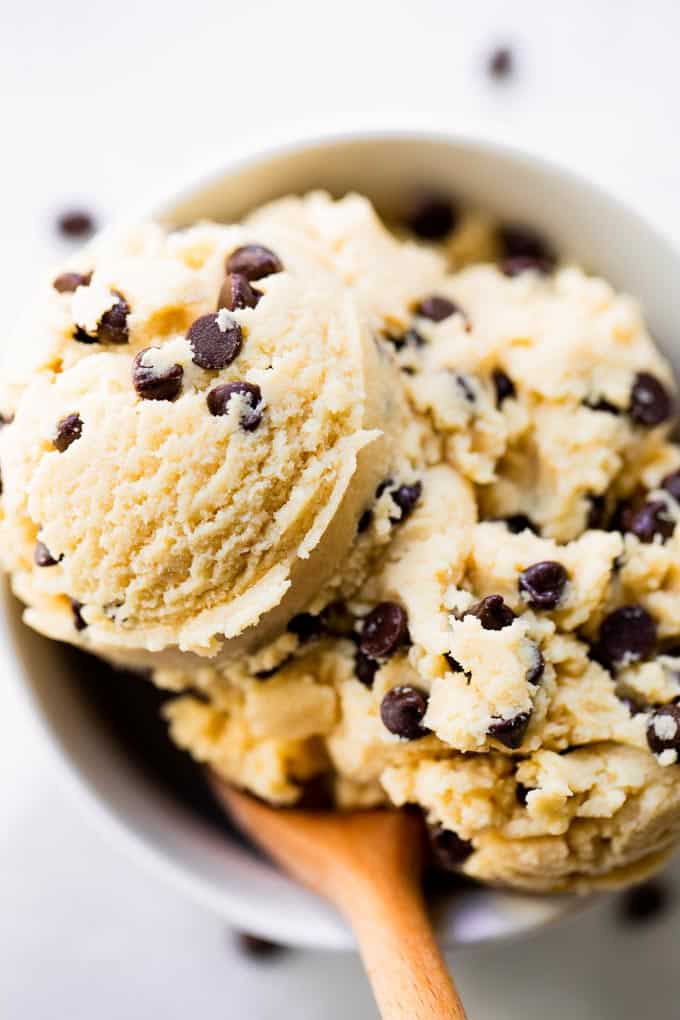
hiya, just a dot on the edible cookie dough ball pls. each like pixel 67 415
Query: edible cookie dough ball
pixel 192 477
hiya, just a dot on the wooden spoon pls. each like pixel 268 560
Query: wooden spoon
pixel 368 864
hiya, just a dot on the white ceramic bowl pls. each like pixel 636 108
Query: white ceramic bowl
pixel 130 786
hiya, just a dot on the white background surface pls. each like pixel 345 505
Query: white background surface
pixel 105 105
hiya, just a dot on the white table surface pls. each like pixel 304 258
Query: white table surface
pixel 104 104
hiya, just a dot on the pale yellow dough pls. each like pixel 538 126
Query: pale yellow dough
pixel 191 544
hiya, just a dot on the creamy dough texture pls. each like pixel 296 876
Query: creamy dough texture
pixel 430 557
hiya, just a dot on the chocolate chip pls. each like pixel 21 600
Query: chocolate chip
pixel 626 635
pixel 663 729
pixel 671 483
pixel 434 218
pixel 66 283
pixel 519 240
pixel 112 327
pixel 384 630
pixel 256 947
pixel 253 261
pixel 214 348
pixel 515 265
pixel 402 710
pixel 411 338
pixel 535 672
pixel 156 383
pixel 500 63
pixel 542 584
pixel 406 497
pixel 69 429
pixel 597 511
pixel 503 385
pixel 644 902
pixel 634 707
pixel 365 668
pixel 454 664
pixel 42 556
pixel 236 292
pixel 651 520
pixel 78 622
pixel 365 521
pixel 6 419
pixel 622 516
pixel 437 308
pixel 305 626
pixel 517 523
pixel 76 224
pixel 510 731
pixel 449 850
pixel 219 398
pixel 492 613
pixel 601 404
pixel 337 620
pixel 522 792
pixel 650 402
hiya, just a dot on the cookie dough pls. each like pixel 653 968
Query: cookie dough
pixel 415 541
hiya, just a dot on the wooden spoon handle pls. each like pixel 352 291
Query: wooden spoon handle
pixel 409 978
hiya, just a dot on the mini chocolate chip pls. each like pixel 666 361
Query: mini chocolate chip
pixel 503 385
pixel 465 388
pixel 6 419
pixel 219 398
pixel 500 63
pixel 113 327
pixel 517 523
pixel 510 731
pixel 156 383
pixel 434 218
pixel 671 483
pixel 69 429
pixel 626 635
pixel 402 710
pixel 663 729
pixel 42 556
pixel 652 520
pixel 492 612
pixel 66 283
pixel 383 487
pixel 644 902
pixel 365 521
pixel 454 664
pixel 519 240
pixel 622 516
pixel 522 792
pixel 650 402
pixel 535 672
pixel 214 348
pixel 305 626
pixel 515 265
pixel 449 850
pixel 543 584
pixel 253 261
pixel 410 338
pixel 76 223
pixel 601 404
pixel 365 668
pixel 384 630
pixel 437 308
pixel 406 497
pixel 597 511
pixel 236 292
pixel 78 622
pixel 256 947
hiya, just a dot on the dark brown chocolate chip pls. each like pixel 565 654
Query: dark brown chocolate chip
pixel 455 666
pixel 253 261
pixel 519 240
pixel 406 497
pixel 650 401
pixel 515 265
pixel 535 672
pixel 663 729
pixel 651 520
pixel 503 385
pixel 78 622
pixel 626 635
pixel 448 849
pixel 671 483
pixel 645 902
pixel 492 613
pixel 411 338
pixel 434 218
pixel 601 404
pixel 42 556
pixel 156 383
pixel 384 630
pixel 522 792
pixel 236 292
pixel 257 948
pixel 76 224
pixel 597 511
pixel 365 521
pixel 113 327
pixel 517 523
pixel 500 63
pixel 510 732
pixel 542 584
pixel 251 398
pixel 69 429
pixel 66 283
pixel 214 348
pixel 437 308
pixel 365 668
pixel 402 710
pixel 305 626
